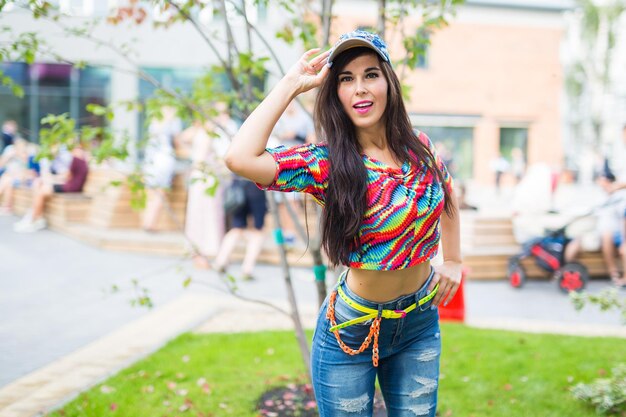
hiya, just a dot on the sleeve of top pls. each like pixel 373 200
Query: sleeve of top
pixel 447 178
pixel 302 168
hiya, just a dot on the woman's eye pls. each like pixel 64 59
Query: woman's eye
pixel 345 78
pixel 372 75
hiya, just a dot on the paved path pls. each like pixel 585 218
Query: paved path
pixel 53 295
pixel 60 334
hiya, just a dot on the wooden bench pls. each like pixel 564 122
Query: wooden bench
pixel 60 209
pixel 111 206
pixel 103 205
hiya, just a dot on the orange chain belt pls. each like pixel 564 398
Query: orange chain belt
pixel 372 335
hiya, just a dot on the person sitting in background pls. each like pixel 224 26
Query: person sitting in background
pixel 9 133
pixel 21 170
pixel 610 226
pixel 45 186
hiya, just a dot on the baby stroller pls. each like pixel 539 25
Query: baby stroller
pixel 549 252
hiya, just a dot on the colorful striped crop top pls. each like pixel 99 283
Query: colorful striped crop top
pixel 400 228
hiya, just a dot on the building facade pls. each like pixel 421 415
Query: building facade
pixel 491 81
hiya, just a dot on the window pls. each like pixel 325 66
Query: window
pixel 455 146
pixel 511 138
pixel 51 85
pixel 181 79
pixel 94 88
pixel 210 11
pixel 53 89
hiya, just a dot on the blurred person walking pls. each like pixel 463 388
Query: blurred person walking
pixel 254 205
pixel 518 164
pixel 499 166
pixel 204 220
pixel 159 164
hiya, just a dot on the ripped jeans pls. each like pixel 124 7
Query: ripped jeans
pixel 408 370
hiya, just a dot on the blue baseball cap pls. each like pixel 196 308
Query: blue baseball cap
pixel 359 38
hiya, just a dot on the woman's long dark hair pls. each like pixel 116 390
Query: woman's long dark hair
pixel 346 195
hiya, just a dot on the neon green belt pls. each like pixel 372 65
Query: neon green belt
pixel 371 313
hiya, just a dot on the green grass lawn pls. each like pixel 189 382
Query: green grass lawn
pixel 484 373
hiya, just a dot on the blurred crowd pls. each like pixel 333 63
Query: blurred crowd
pixel 223 210
pixel 20 167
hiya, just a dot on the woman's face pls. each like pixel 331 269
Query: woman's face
pixel 362 90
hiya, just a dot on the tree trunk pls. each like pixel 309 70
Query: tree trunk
pixel 327 17
pixel 319 269
pixel 380 24
pixel 295 315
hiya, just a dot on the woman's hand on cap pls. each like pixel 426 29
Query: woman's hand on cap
pixel 309 71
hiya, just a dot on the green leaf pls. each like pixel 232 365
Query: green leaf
pixel 96 109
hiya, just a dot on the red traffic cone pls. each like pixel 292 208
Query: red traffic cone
pixel 455 310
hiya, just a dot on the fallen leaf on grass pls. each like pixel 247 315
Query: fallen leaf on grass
pixel 105 389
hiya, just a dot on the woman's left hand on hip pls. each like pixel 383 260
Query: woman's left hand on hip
pixel 448 276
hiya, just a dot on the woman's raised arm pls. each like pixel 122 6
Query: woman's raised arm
pixel 246 155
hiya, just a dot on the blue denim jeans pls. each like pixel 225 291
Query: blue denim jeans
pixel 408 369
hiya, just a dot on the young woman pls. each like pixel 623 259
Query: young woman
pixel 387 198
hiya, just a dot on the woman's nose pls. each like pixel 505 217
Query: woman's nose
pixel 360 89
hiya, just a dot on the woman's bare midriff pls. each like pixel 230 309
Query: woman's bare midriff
pixel 383 286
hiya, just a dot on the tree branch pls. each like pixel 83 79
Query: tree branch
pixel 228 69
